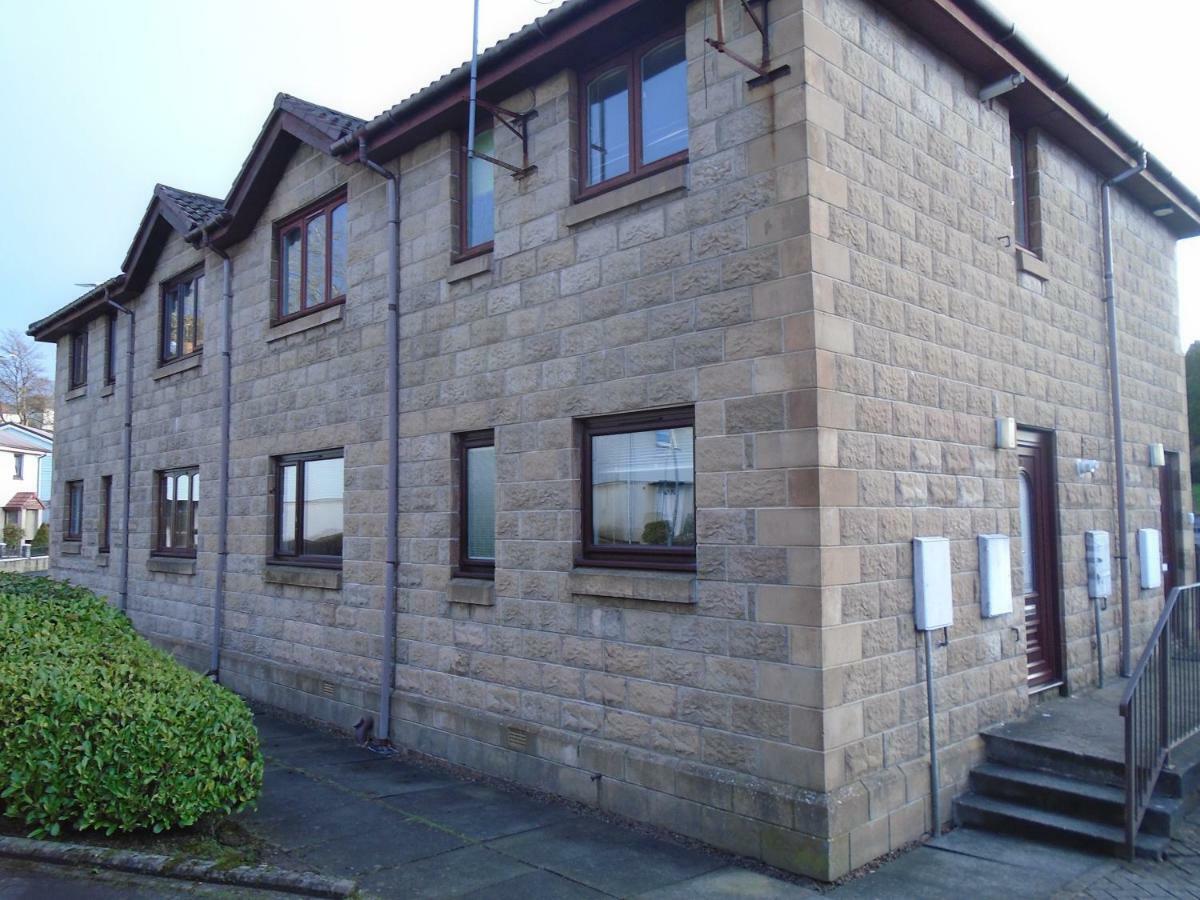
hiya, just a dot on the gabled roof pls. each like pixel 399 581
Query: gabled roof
pixel 18 444
pixel 292 122
pixel 169 208
pixel 24 500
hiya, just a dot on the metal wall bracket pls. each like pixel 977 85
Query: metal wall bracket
pixel 518 124
pixel 766 74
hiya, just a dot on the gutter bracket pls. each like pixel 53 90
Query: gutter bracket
pixel 765 73
pixel 518 124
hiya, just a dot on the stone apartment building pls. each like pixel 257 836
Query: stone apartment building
pixel 602 475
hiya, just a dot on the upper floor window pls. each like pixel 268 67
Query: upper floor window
pixel 182 326
pixel 477 504
pixel 110 348
pixel 312 258
pixel 18 466
pixel 477 199
pixel 1019 149
pixel 308 508
pixel 178 500
pixel 635 116
pixel 639 490
pixel 73 521
pixel 79 359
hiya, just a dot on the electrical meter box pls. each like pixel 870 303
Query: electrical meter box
pixel 1098 555
pixel 995 575
pixel 1150 557
pixel 931 582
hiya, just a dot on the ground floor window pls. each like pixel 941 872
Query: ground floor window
pixel 178 499
pixel 309 489
pixel 639 496
pixel 477 504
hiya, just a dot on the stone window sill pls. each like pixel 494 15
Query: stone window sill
pixel 173 565
pixel 313 320
pixel 627 195
pixel 1032 264
pixel 180 365
pixel 629 584
pixel 303 576
pixel 76 393
pixel 102 559
pixel 70 548
pixel 473 591
pixel 469 268
pixel 109 389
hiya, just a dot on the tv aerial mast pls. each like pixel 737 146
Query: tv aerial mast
pixel 517 123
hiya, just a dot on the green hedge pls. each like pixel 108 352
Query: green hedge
pixel 99 730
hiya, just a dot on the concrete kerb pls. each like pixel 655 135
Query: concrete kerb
pixel 263 877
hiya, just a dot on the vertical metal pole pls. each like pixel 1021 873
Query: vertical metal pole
pixel 935 780
pixel 474 86
pixel 1099 640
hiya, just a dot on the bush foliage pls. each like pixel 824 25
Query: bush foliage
pixel 13 536
pixel 41 537
pixel 99 730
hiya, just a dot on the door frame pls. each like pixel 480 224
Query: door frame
pixel 1044 442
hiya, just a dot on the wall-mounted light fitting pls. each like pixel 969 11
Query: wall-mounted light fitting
pixel 1001 87
pixel 1158 456
pixel 1006 433
pixel 1086 466
pixel 1164 211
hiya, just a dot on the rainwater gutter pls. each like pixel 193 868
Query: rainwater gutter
pixel 1114 385
pixel 128 447
pixel 387 670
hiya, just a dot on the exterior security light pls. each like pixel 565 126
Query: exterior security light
pixel 1164 211
pixel 1006 434
pixel 1001 87
pixel 1158 457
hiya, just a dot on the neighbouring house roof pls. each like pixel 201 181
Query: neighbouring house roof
pixel 17 444
pixel 24 500
pixel 36 433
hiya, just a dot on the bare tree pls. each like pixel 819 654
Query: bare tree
pixel 25 391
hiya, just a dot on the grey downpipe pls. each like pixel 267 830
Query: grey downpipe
pixel 388 661
pixel 935 779
pixel 223 463
pixel 1114 385
pixel 128 449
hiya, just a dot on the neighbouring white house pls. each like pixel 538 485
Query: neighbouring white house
pixel 25 467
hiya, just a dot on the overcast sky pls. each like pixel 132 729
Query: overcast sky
pixel 102 100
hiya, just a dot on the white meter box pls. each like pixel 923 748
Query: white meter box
pixel 995 575
pixel 1098 554
pixel 1150 557
pixel 934 606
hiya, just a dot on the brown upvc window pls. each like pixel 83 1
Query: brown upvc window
pixel 309 488
pixel 79 358
pixel 73 522
pixel 312 252
pixel 476 193
pixel 1019 151
pixel 634 118
pixel 110 348
pixel 178 495
pixel 182 332
pixel 105 530
pixel 638 491
pixel 477 504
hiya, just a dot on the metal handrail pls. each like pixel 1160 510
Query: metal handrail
pixel 1161 704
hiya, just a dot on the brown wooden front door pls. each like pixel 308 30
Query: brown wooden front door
pixel 1172 520
pixel 1039 552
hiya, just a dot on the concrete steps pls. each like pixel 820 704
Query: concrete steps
pixel 1056 790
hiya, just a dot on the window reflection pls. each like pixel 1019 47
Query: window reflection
pixel 1028 536
pixel 480 206
pixel 664 101
pixel 608 126
pixel 481 503
pixel 643 488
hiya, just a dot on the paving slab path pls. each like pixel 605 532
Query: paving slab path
pixel 414 830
